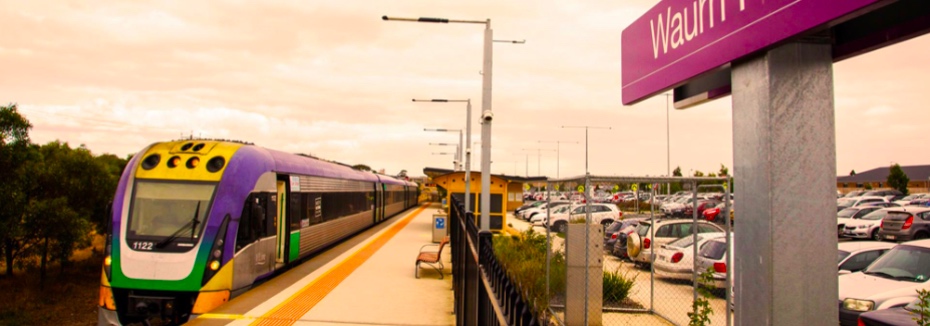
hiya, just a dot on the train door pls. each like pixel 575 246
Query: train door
pixel 379 200
pixel 281 224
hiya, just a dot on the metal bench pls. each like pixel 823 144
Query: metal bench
pixel 432 258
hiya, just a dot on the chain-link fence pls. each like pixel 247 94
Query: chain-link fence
pixel 657 265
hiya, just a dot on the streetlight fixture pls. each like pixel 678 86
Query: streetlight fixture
pixel 468 206
pixel 458 152
pixel 486 115
pixel 558 154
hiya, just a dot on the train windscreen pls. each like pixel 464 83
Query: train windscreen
pixel 169 210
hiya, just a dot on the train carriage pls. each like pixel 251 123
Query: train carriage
pixel 197 222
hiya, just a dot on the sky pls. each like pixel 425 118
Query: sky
pixel 331 79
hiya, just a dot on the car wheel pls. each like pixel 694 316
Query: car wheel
pixel 875 235
pixel 561 227
pixel 920 235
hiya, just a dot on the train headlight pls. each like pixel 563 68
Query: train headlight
pixel 174 161
pixel 217 253
pixel 151 161
pixel 193 162
pixel 107 261
pixel 215 265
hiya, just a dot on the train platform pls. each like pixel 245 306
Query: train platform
pixel 365 280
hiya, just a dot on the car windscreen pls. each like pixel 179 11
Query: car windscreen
pixel 843 203
pixel 842 255
pixel 713 250
pixel 875 216
pixel 904 263
pixel 614 227
pixel 642 229
pixel 847 213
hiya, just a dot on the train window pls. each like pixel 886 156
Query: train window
pixel 252 221
pixel 294 211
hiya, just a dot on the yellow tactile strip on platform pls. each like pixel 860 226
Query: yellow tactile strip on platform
pixel 291 309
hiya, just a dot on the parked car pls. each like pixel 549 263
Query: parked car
pixel 702 204
pixel 846 215
pixel 888 194
pixel 854 193
pixel 615 241
pixel 641 244
pixel 854 256
pixel 856 201
pixel 541 218
pixel 713 255
pixel 907 199
pixel 866 227
pixel 676 258
pixel 527 206
pixel 892 316
pixel 906 223
pixel 603 214
pixel 528 213
pixel 713 214
pixel 891 280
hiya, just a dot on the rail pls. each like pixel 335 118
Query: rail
pixel 484 294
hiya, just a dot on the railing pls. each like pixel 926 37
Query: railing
pixel 484 294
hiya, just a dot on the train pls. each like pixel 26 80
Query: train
pixel 195 223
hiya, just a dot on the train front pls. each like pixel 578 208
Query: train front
pixel 165 248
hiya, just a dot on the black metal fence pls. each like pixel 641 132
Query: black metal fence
pixel 484 294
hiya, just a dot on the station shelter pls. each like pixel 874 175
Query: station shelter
pixel 506 191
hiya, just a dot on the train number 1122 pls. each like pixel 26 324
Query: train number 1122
pixel 143 245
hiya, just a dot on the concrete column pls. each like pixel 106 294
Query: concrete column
pixel 784 150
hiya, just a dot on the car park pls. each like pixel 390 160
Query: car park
pixel 541 218
pixel 906 223
pixel 890 281
pixel 907 199
pixel 856 255
pixel 642 243
pixel 528 206
pixel 888 194
pixel 603 214
pixel 713 214
pixel 676 258
pixel 866 227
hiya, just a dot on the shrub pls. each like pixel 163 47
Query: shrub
pixel 617 286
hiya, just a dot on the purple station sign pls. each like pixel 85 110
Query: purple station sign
pixel 677 40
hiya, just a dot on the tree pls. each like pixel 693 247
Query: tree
pixel 853 172
pixel 897 179
pixel 361 167
pixel 402 174
pixel 677 171
pixel 723 170
pixel 15 154
pixel 698 173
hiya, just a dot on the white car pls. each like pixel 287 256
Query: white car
pixel 890 281
pixel 907 200
pixel 528 213
pixel 676 258
pixel 855 256
pixel 640 244
pixel 850 214
pixel 541 218
pixel 601 213
pixel 865 227
pixel 846 202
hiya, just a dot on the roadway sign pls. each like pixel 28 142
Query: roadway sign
pixel 679 41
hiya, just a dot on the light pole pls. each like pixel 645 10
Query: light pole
pixel 486 115
pixel 558 154
pixel 468 206
pixel 455 162
pixel 458 153
pixel 668 147
pixel 538 158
